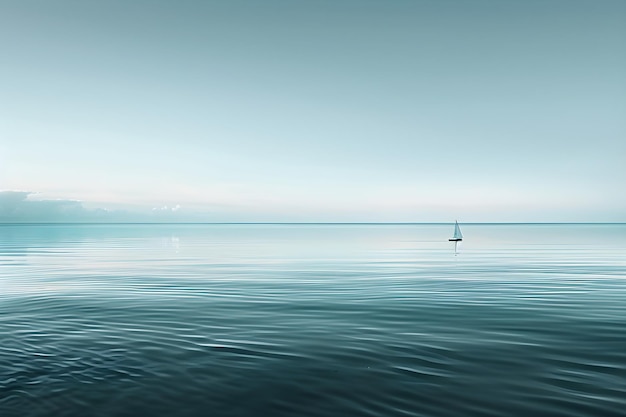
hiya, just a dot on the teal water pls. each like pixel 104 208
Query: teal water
pixel 312 320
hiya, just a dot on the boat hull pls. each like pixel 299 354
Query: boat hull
pixel 455 240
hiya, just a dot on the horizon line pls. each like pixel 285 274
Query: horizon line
pixel 299 223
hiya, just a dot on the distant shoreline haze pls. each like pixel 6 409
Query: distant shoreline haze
pixel 20 207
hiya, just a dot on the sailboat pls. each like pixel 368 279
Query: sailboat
pixel 458 236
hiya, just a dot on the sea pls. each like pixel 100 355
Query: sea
pixel 377 320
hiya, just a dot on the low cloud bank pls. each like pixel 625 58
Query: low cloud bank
pixel 17 207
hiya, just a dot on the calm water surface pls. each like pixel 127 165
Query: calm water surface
pixel 312 320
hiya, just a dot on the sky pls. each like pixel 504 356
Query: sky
pixel 313 111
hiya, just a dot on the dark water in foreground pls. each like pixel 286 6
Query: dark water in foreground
pixel 312 320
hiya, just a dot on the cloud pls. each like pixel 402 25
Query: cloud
pixel 15 206
pixel 19 207
pixel 166 209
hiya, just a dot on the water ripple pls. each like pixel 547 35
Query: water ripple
pixel 306 321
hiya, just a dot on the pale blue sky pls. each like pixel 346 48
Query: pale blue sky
pixel 318 110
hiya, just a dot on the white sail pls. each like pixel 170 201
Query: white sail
pixel 457 231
